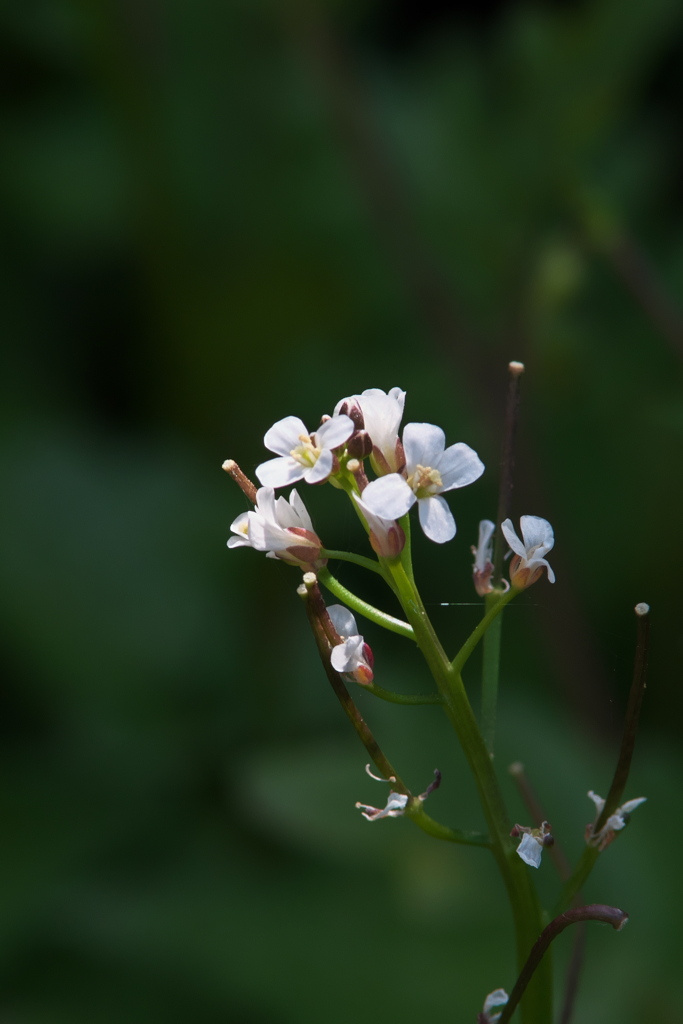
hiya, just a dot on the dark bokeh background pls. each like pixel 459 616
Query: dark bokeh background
pixel 217 214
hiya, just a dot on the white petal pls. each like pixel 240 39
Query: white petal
pixel 285 515
pixel 280 472
pixel 511 537
pixel 301 511
pixel 423 443
pixel 537 533
pixel 284 435
pixel 265 502
pixel 483 553
pixel 551 574
pixel 382 414
pixel 390 497
pixel 342 620
pixel 436 519
pixel 631 805
pixel 238 542
pixel 334 432
pixel 322 468
pixel 530 850
pixel 347 657
pixel 597 800
pixel 459 466
pixel 497 998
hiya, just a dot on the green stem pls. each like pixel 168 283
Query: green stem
pixel 402 698
pixel 493 609
pixel 415 811
pixel 537 1006
pixel 348 556
pixel 490 674
pixel 362 607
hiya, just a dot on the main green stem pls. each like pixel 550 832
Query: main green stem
pixel 526 911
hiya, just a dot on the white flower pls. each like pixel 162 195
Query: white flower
pixel 493 999
pixel 382 414
pixel 396 804
pixel 529 562
pixel 533 842
pixel 281 528
pixel 302 456
pixel 431 470
pixel 395 807
pixel 530 850
pixel 352 658
pixel 614 823
pixel 483 566
pixel 386 536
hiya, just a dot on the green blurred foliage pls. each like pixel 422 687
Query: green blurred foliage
pixel 215 215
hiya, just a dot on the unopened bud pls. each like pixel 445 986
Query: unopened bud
pixel 351 407
pixel 359 444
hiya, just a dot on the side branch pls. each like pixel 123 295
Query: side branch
pixel 382 763
pixel 593 912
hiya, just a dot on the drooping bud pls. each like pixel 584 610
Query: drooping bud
pixel 350 656
pixel 386 535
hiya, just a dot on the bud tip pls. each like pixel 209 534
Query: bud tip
pixel 310 579
pixel 516 368
pixel 229 465
pixel 642 609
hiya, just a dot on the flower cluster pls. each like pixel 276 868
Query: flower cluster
pixel 417 469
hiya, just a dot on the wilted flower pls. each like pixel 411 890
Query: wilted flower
pixel 396 803
pixel 281 528
pixel 302 456
pixel 431 470
pixel 529 562
pixel 532 842
pixel 493 999
pixel 614 823
pixel 352 658
pixel 483 566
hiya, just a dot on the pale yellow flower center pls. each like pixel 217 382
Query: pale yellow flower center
pixel 306 453
pixel 425 481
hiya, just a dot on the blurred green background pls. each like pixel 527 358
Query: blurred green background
pixel 218 214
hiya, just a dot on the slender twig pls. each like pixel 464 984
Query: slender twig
pixel 593 912
pixel 241 479
pixel 635 700
pixel 312 598
pixel 507 465
pixel 571 986
pixel 635 703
